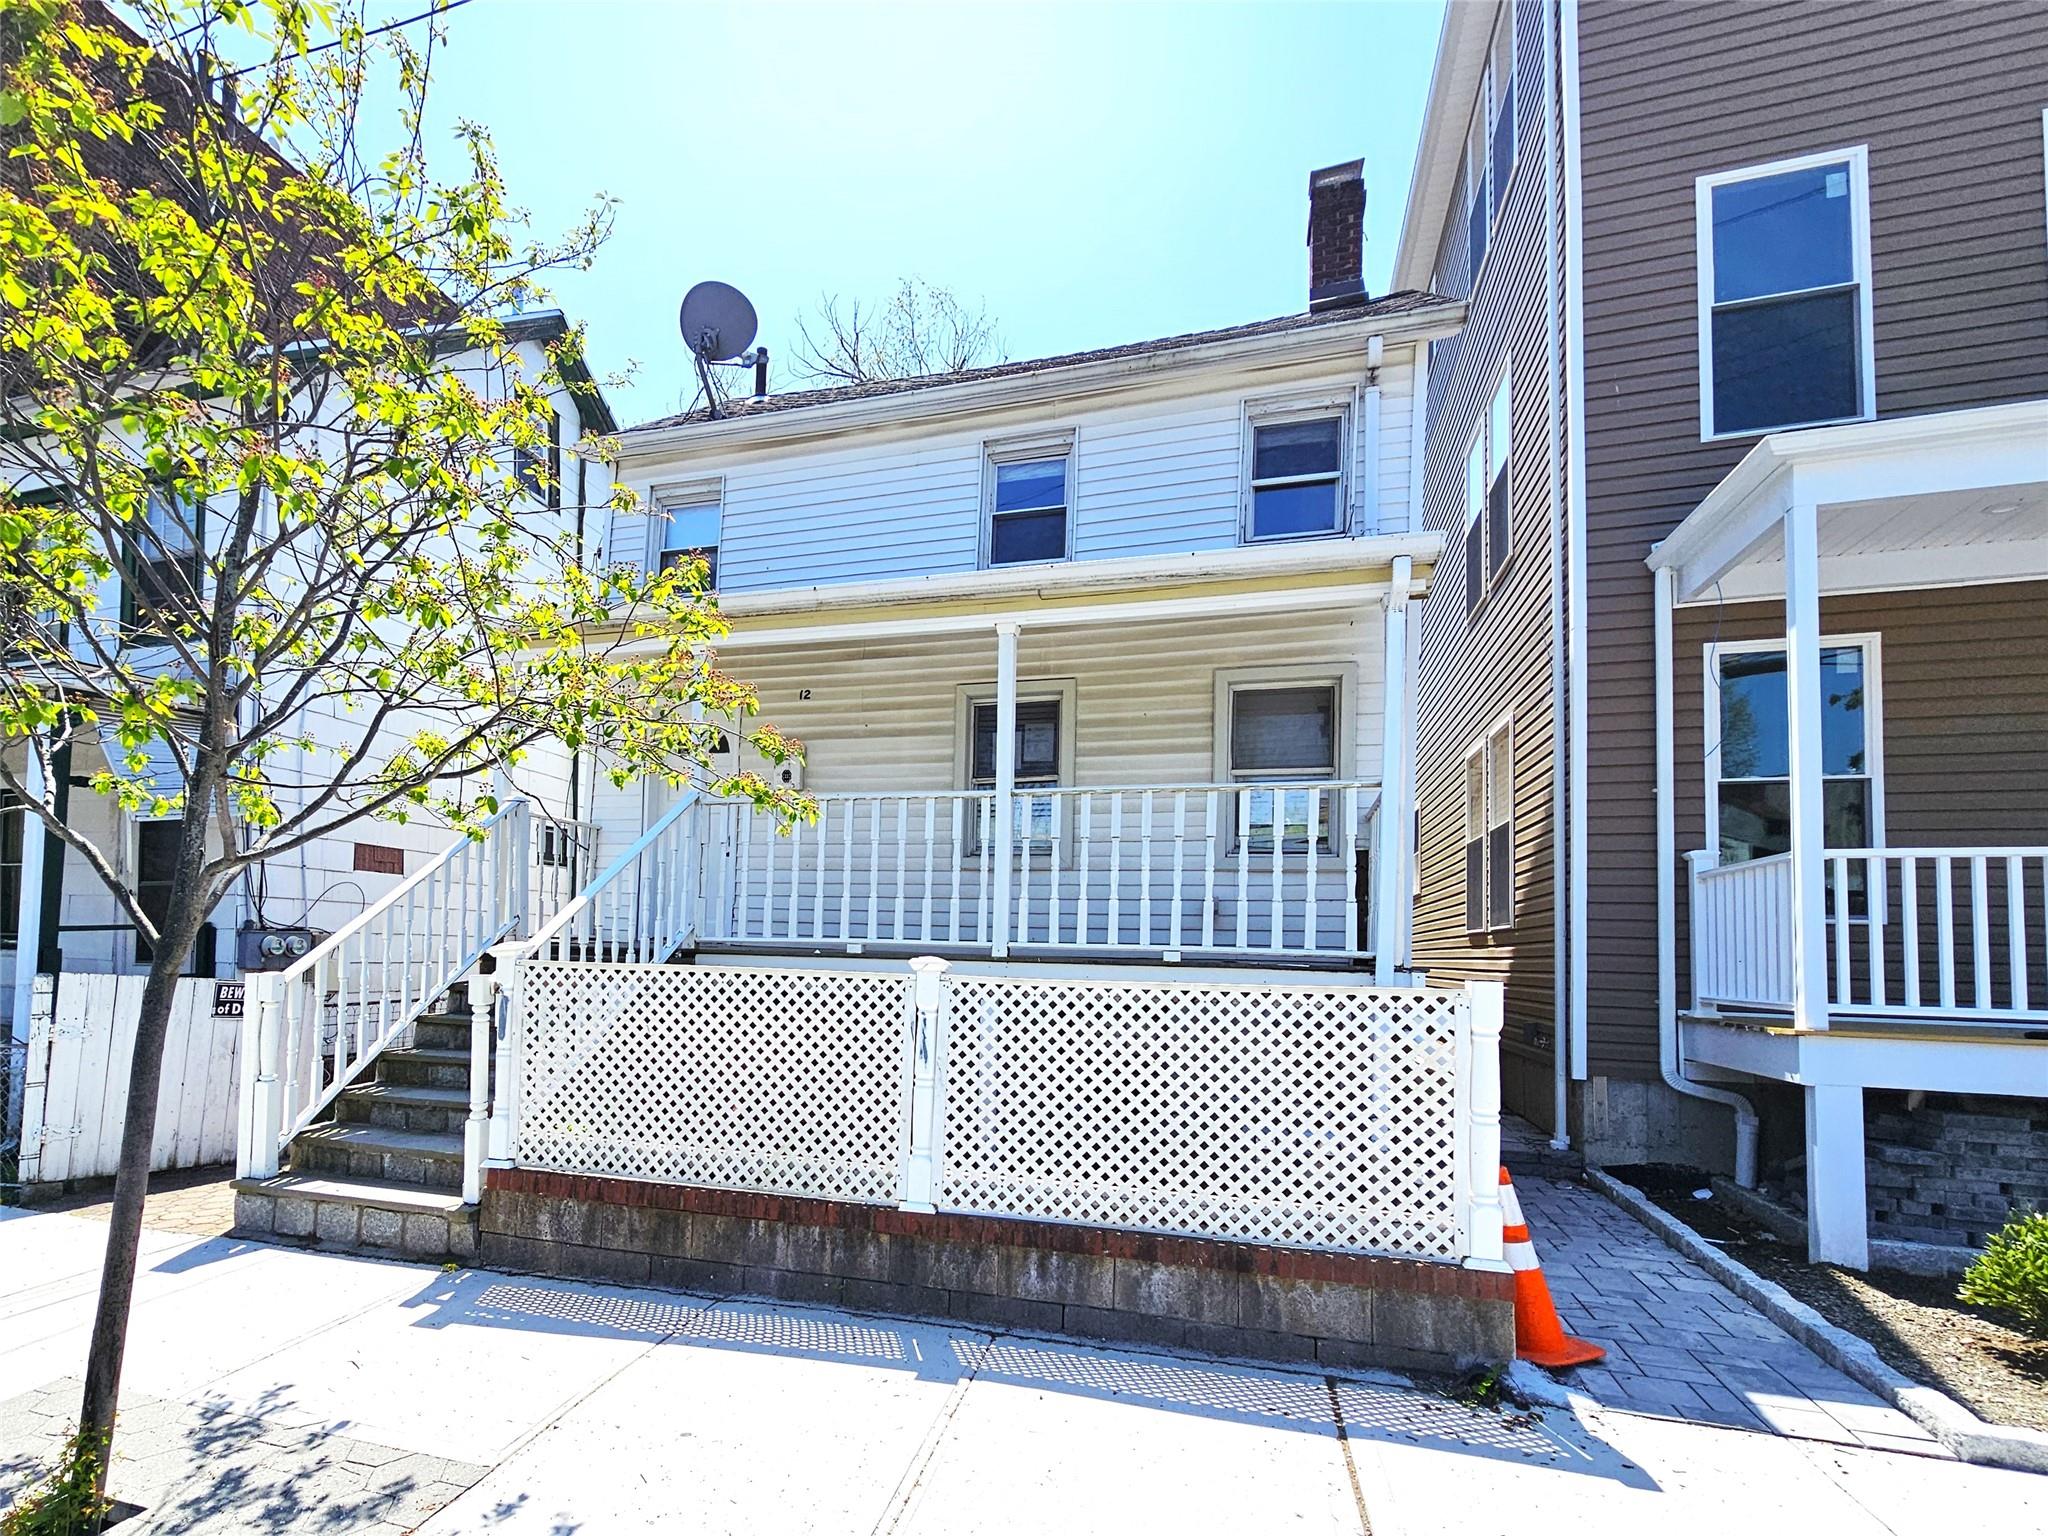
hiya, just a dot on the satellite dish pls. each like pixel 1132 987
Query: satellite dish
pixel 718 322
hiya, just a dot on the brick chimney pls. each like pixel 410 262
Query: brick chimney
pixel 1336 236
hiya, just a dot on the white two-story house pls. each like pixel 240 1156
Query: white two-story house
pixel 1094 655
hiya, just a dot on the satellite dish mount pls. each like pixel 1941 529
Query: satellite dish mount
pixel 718 326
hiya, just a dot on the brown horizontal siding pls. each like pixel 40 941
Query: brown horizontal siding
pixel 1948 98
pixel 1472 670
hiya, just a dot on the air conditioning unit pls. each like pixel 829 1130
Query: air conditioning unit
pixel 272 949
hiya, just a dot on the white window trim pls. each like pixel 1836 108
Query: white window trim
pixel 1478 493
pixel 1483 113
pixel 1019 450
pixel 1343 676
pixel 1858 159
pixel 1480 750
pixel 1871 644
pixel 1278 410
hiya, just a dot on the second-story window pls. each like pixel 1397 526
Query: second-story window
pixel 1489 527
pixel 1784 295
pixel 690 528
pixel 1490 146
pixel 1297 483
pixel 163 583
pixel 1027 516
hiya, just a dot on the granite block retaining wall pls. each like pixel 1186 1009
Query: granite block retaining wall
pixel 1244 1299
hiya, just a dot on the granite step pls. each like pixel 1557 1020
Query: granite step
pixel 377 1216
pixel 352 1149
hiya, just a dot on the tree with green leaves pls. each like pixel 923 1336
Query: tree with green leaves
pixel 255 377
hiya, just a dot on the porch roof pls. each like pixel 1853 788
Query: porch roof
pixel 1293 577
pixel 1948 499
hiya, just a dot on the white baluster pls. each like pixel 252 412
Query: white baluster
pixel 1309 936
pixel 902 863
pixel 924 919
pixel 1909 914
pixel 1209 830
pixel 874 862
pixel 1180 838
pixel 1114 934
pixel 1980 936
pixel 1052 879
pixel 1838 902
pixel 1145 869
pixel 1241 800
pixel 1945 929
pixel 1276 920
pixel 1084 863
pixel 953 906
pixel 2016 931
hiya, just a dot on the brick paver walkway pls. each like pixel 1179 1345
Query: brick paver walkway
pixel 1678 1344
pixel 199 1202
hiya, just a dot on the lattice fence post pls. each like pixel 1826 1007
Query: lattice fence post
pixel 928 999
pixel 1481 1113
pixel 263 1036
pixel 495 1008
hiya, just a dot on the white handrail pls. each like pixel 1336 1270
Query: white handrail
pixel 313 1027
pixel 663 862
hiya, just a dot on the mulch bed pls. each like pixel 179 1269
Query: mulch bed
pixel 1915 1322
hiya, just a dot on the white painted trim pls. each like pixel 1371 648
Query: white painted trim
pixel 1418 438
pixel 1576 944
pixel 1279 410
pixel 1024 449
pixel 1481 749
pixel 1857 158
pixel 1459 68
pixel 1888 570
pixel 1871 643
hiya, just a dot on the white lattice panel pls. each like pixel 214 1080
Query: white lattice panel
pixel 785 1080
pixel 1311 1116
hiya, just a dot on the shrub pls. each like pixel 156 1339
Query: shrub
pixel 67 1504
pixel 2012 1272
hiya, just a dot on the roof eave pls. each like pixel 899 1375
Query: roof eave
pixel 1453 81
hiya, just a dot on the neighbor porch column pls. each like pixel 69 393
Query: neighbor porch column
pixel 1391 883
pixel 1802 703
pixel 1837 1209
pixel 28 942
pixel 1006 781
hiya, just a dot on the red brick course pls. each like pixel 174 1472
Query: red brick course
pixel 1372 1271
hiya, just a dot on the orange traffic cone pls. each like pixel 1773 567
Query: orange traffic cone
pixel 1539 1336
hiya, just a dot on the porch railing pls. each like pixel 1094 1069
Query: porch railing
pixel 1929 933
pixel 642 906
pixel 311 1028
pixel 1275 869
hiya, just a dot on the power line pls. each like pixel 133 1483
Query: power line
pixel 389 26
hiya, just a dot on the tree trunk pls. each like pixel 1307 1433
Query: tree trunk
pixel 180 931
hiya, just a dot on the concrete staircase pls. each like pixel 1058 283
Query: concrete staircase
pixel 383 1175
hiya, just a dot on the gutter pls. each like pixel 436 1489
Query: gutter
pixel 1335 341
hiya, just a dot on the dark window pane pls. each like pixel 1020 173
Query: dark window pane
pixel 1475 236
pixel 1503 153
pixel 1754 723
pixel 1475 885
pixel 1039 483
pixel 1500 875
pixel 1025 536
pixel 1783 362
pixel 1283 730
pixel 1296 448
pixel 11 818
pixel 1475 545
pixel 1497 532
pixel 709 556
pixel 1280 510
pixel 156 865
pixel 1038 742
pixel 1783 233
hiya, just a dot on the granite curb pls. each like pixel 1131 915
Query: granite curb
pixel 1969 1437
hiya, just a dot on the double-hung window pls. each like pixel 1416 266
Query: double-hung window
pixel 1297 479
pixel 1784 295
pixel 1488 521
pixel 156 868
pixel 1037 762
pixel 1749 758
pixel 689 520
pixel 1029 496
pixel 1490 145
pixel 1282 733
pixel 1490 832
pixel 539 469
pixel 163 587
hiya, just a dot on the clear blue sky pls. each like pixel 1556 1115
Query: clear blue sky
pixel 1095 173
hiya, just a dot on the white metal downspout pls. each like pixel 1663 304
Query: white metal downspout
pixel 1668 1062
pixel 1575 524
pixel 1560 867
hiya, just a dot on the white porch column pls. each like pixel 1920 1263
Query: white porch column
pixel 1392 883
pixel 1802 700
pixel 1006 781
pixel 1837 1212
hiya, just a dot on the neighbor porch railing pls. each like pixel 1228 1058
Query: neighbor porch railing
pixel 1308 1114
pixel 1265 869
pixel 1957 934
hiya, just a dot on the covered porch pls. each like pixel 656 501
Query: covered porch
pixel 1851 710
pixel 1122 759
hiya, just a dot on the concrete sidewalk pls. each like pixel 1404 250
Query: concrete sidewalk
pixel 277 1390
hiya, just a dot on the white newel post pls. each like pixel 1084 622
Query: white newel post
pixel 483 1019
pixel 263 1035
pixel 1391 883
pixel 496 1024
pixel 1699 935
pixel 1485 1248
pixel 1006 782
pixel 928 993
pixel 1802 700
pixel 28 939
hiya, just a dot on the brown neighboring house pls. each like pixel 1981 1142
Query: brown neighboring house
pixel 1758 301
